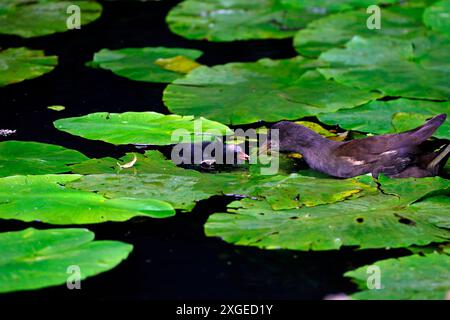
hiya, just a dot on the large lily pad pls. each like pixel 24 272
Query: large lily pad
pixel 33 259
pixel 22 158
pixel 19 64
pixel 44 198
pixel 408 278
pixel 157 64
pixel 141 128
pixel 228 20
pixel 153 176
pixel 381 117
pixel 388 219
pixel 336 29
pixel 393 66
pixel 270 90
pixel 437 17
pixel 28 18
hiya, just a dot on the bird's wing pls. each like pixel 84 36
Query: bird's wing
pixel 378 154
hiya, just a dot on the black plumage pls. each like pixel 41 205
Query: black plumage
pixel 396 155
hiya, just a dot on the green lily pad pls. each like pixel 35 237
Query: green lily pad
pixel 153 176
pixel 389 219
pixel 393 66
pixel 19 64
pixel 33 259
pixel 23 157
pixel 229 20
pixel 378 117
pixel 240 93
pixel 149 128
pixel 336 29
pixel 408 278
pixel 157 64
pixel 437 17
pixel 28 18
pixel 44 198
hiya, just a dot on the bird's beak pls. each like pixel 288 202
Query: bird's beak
pixel 243 156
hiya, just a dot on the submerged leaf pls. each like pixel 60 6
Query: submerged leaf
pixel 33 259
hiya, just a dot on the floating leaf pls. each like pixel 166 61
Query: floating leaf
pixel 178 64
pixel 155 177
pixel 42 17
pixel 407 278
pixel 378 116
pixel 22 158
pixel 44 198
pixel 393 66
pixel 141 128
pixel 56 108
pixel 33 259
pixel 269 90
pixel 437 17
pixel 372 221
pixel 19 64
pixel 335 30
pixel 228 20
pixel 158 64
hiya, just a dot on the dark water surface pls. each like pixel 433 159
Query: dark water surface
pixel 172 258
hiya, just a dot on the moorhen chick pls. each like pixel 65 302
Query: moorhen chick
pixel 396 155
pixel 207 154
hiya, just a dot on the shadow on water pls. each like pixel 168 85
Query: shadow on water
pixel 172 258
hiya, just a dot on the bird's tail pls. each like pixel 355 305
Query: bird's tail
pixel 425 131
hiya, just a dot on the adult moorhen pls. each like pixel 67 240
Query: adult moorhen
pixel 396 155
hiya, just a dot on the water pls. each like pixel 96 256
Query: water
pixel 172 258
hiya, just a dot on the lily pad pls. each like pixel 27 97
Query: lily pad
pixel 378 117
pixel 153 176
pixel 395 67
pixel 158 64
pixel 240 93
pixel 148 128
pixel 44 198
pixel 437 17
pixel 22 158
pixel 228 20
pixel 33 259
pixel 408 278
pixel 19 64
pixel 389 219
pixel 336 29
pixel 28 18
